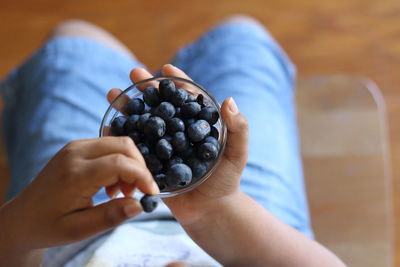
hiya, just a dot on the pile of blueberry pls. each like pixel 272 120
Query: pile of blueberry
pixel 174 131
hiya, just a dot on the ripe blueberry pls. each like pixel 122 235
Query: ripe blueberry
pixel 149 203
pixel 209 114
pixel 135 106
pixel 167 89
pixel 153 163
pixel 179 97
pixel 198 167
pixel 200 100
pixel 207 151
pixel 154 128
pixel 163 149
pixel 143 149
pixel 165 110
pixel 190 110
pixel 180 142
pixel 179 175
pixel 190 98
pixel 161 181
pixel 188 152
pixel 151 96
pixel 212 140
pixel 214 132
pixel 175 125
pixel 135 135
pixel 174 160
pixel 130 123
pixel 198 130
pixel 142 120
pixel 117 126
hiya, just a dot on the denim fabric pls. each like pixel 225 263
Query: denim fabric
pixel 58 95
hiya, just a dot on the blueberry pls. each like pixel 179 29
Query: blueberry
pixel 161 181
pixel 154 128
pixel 179 97
pixel 188 152
pixel 165 110
pixel 144 150
pixel 190 110
pixel 153 163
pixel 136 136
pixel 198 130
pixel 175 125
pixel 164 149
pixel 117 126
pixel 151 96
pixel 168 138
pixel 190 98
pixel 212 140
pixel 198 167
pixel 174 160
pixel 178 112
pixel 214 132
pixel 209 114
pixel 130 123
pixel 135 106
pixel 167 89
pixel 189 122
pixel 149 203
pixel 200 100
pixel 142 120
pixel 180 142
pixel 207 151
pixel 179 175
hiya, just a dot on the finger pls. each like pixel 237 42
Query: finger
pixel 171 70
pixel 88 222
pixel 139 74
pixel 110 169
pixel 109 145
pixel 112 94
pixel 177 264
pixel 236 148
pixel 126 189
pixel 112 190
pixel 118 101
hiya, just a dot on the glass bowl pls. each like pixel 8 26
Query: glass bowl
pixel 118 106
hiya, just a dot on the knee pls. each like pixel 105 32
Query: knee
pixel 240 18
pixel 72 27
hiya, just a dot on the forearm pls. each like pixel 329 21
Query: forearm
pixel 239 230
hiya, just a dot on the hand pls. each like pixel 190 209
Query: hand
pixel 224 182
pixel 57 208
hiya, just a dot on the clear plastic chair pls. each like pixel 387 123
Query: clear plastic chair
pixel 344 140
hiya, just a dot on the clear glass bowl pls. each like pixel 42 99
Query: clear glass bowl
pixel 134 91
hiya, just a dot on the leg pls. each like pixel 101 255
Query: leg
pixel 239 58
pixel 59 95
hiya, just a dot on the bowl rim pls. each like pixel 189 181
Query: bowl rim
pixel 223 135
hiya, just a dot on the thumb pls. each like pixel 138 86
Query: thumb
pixel 102 217
pixel 236 148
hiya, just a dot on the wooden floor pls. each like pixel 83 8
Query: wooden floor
pixel 358 37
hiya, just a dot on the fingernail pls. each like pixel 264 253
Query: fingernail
pixel 115 194
pixel 232 106
pixel 132 209
pixel 169 65
pixel 156 190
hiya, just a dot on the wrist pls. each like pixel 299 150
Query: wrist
pixel 11 226
pixel 212 212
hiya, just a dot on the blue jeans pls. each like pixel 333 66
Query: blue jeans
pixel 58 95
